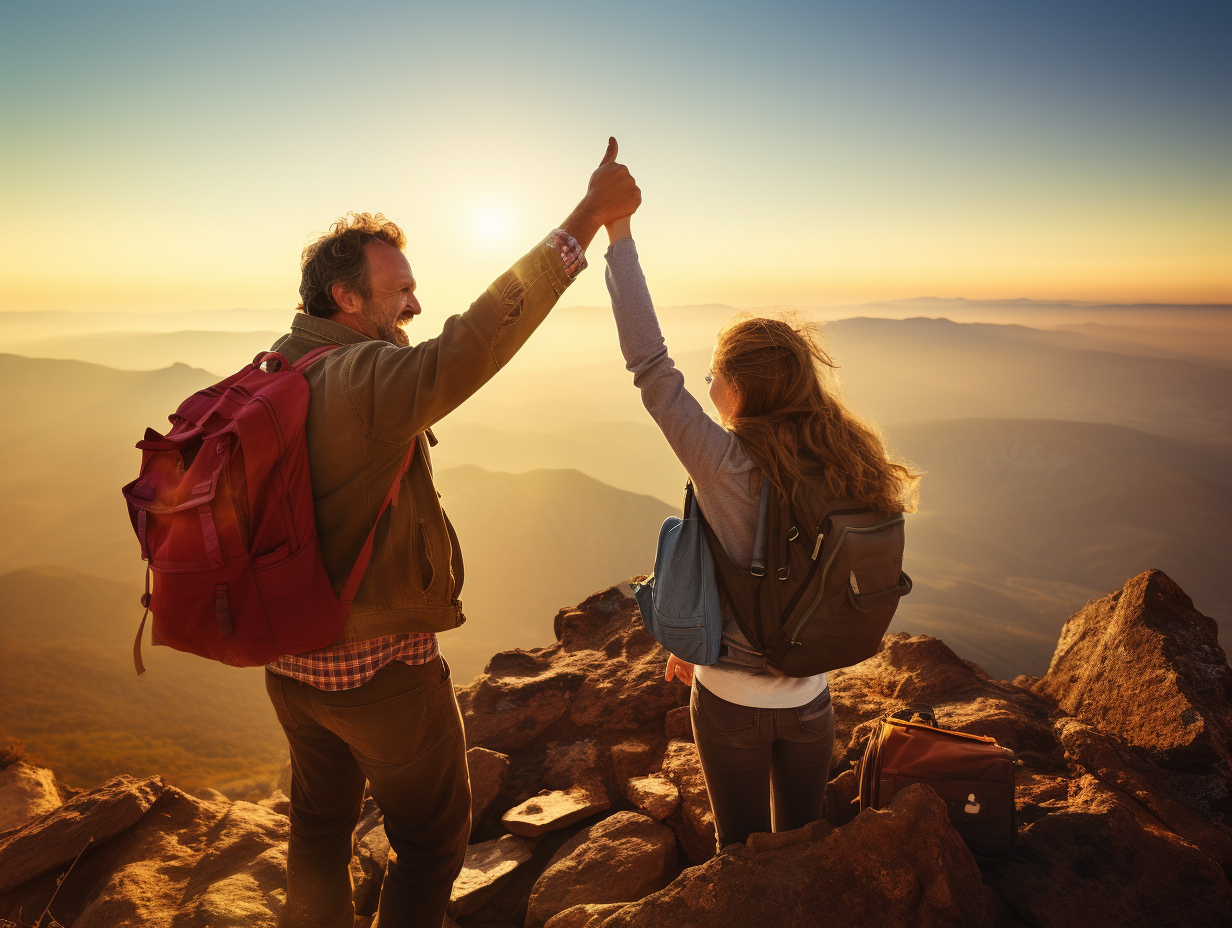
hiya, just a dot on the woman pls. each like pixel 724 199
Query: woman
pixel 765 739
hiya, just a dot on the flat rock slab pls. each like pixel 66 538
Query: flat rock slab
pixel 26 792
pixel 62 834
pixel 485 866
pixel 553 809
pixel 654 795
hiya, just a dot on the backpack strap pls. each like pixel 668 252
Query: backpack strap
pixel 761 539
pixel 356 577
pixel 723 567
pixel 351 587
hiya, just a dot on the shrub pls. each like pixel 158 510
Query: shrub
pixel 12 753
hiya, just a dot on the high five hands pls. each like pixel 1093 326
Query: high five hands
pixel 611 197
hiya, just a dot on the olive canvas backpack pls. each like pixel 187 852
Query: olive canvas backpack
pixel 825 581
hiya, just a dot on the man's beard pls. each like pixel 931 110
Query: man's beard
pixel 392 332
pixel 387 329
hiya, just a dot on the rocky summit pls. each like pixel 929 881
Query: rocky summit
pixel 590 808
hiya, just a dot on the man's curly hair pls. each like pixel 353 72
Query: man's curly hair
pixel 339 258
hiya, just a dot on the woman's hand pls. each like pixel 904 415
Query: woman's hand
pixel 681 670
pixel 618 230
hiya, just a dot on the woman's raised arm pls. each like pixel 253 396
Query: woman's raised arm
pixel 700 443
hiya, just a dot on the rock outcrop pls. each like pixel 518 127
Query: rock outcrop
pixel 26 792
pixel 590 808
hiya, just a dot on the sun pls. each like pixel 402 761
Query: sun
pixel 491 224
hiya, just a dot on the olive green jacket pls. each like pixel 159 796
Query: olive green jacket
pixel 368 401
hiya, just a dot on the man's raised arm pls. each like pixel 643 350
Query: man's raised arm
pixel 398 392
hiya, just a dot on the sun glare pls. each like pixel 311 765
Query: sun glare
pixel 492 225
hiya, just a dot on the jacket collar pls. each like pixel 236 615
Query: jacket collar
pixel 323 330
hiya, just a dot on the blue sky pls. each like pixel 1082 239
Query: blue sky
pixel 788 152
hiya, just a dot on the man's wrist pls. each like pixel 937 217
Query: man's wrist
pixel 571 253
pixel 582 224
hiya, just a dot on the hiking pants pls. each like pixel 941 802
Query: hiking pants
pixel 765 769
pixel 402 732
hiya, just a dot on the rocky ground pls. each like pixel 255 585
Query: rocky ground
pixel 590 808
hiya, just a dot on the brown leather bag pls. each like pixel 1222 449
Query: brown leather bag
pixel 972 774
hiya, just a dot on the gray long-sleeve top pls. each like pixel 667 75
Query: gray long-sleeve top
pixel 723 475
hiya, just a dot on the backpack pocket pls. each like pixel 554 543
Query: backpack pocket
pixel 861 582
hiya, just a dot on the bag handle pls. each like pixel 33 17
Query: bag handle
pixel 925 713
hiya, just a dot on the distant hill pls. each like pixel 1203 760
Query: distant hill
pixel 219 352
pixel 902 370
pixel 531 542
pixel 1023 521
pixel 70 431
pixel 70 692
pixel 631 456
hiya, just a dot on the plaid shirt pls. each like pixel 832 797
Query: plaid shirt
pixel 346 666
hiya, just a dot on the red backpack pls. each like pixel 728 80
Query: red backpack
pixel 223 511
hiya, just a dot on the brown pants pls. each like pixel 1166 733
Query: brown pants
pixel 402 732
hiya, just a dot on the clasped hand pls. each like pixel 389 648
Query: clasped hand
pixel 611 197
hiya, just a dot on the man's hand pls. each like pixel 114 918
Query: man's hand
pixel 611 194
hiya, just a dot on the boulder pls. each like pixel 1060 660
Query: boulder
pixel 1097 859
pixel 1144 664
pixel 584 916
pixel 569 763
pixel 693 821
pixel 62 834
pixel 553 809
pixel 678 724
pixel 277 802
pixel 840 795
pixel 1182 804
pixel 184 862
pixel 26 792
pixel 559 712
pixel 620 859
pixel 634 758
pixel 518 697
pixel 486 865
pixel 489 771
pixel 368 869
pixel 904 865
pixel 655 795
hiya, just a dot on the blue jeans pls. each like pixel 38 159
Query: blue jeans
pixel 765 769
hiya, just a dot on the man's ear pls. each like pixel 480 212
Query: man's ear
pixel 346 300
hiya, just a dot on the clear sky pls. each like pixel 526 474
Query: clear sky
pixel 160 156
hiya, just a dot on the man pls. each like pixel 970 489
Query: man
pixel 378 704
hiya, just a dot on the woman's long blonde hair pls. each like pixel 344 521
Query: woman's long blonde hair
pixel 790 422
